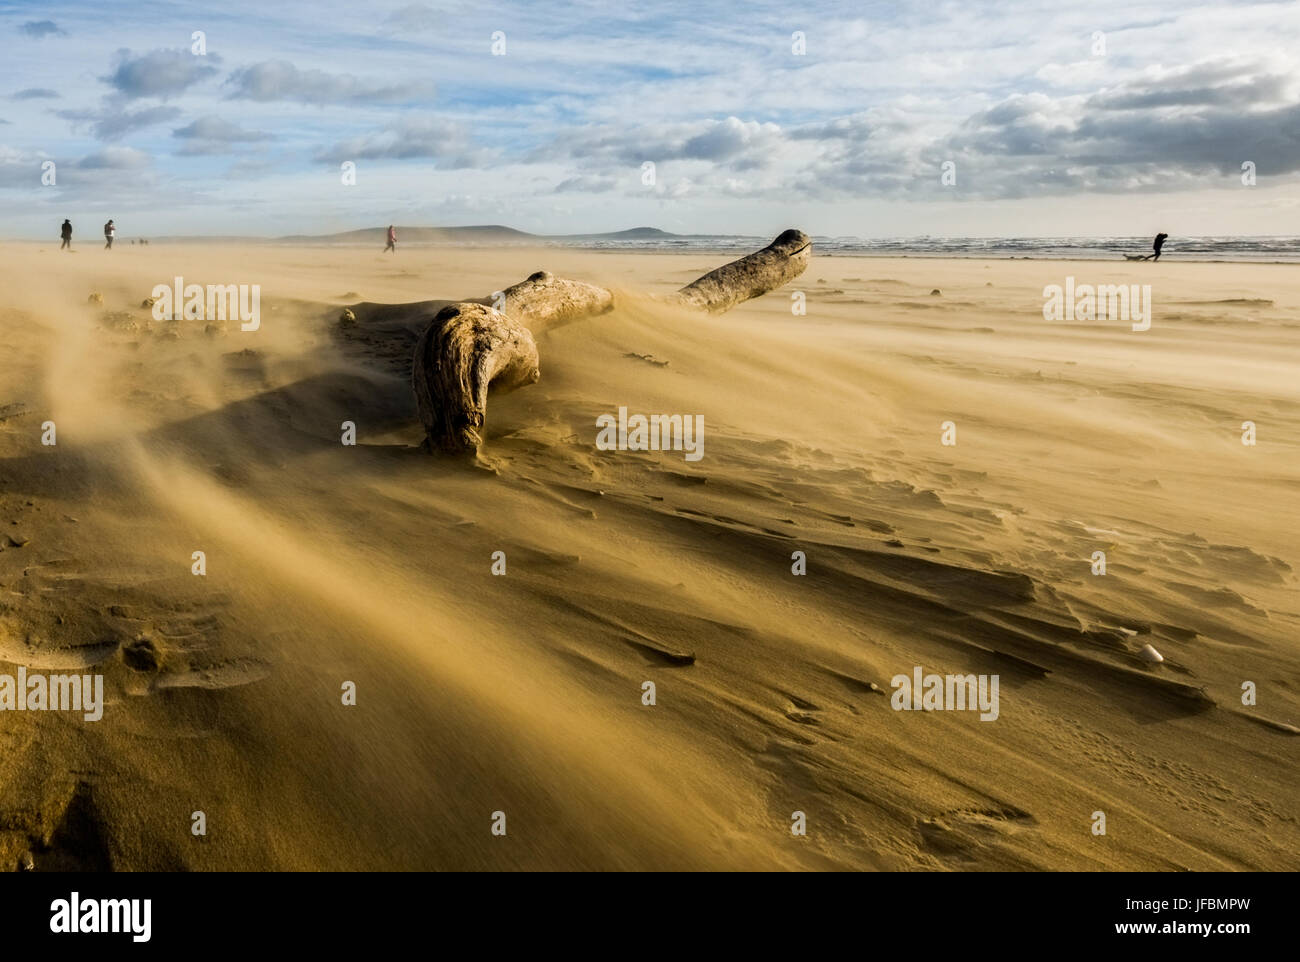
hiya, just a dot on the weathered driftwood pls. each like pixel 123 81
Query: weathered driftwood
pixel 544 300
pixel 775 265
pixel 471 348
pixel 468 350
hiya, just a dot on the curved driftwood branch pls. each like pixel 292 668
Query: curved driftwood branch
pixel 470 349
pixel 752 276
pixel 543 300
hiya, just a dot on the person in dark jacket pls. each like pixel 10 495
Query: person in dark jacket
pixel 1160 242
pixel 67 235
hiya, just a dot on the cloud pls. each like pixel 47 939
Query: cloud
pixel 281 80
pixel 1074 74
pixel 733 139
pixel 35 93
pixel 161 73
pixel 1163 129
pixel 1160 129
pixel 1219 82
pixel 113 123
pixel 116 175
pixel 213 135
pixel 19 169
pixel 427 138
pixel 586 185
pixel 249 167
pixel 735 123
pixel 42 28
pixel 730 140
pixel 214 128
pixel 417 17
pixel 115 158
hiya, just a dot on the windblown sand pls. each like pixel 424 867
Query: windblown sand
pixel 522 693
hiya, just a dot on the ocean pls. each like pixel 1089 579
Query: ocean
pixel 1259 249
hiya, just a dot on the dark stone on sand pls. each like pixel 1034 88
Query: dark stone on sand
pixel 141 655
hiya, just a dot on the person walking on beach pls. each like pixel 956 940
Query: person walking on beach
pixel 66 233
pixel 1160 242
pixel 392 240
pixel 109 231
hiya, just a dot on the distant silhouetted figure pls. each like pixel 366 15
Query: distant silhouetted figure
pixel 109 231
pixel 392 240
pixel 1160 242
pixel 67 235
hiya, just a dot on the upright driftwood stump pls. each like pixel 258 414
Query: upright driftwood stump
pixel 471 349
pixel 468 350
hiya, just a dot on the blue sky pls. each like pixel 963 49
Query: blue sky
pixel 1049 133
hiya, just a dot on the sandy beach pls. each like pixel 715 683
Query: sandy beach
pixel 478 693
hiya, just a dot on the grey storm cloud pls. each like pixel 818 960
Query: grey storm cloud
pixel 1222 82
pixel 1170 130
pixel 281 80
pixel 160 73
pixel 1217 138
pixel 112 123
pixel 35 93
pixel 42 28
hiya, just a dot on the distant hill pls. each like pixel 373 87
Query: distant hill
pixel 486 234
pixel 636 233
pixel 476 234
pixel 480 234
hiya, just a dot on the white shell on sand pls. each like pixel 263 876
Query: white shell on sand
pixel 1150 654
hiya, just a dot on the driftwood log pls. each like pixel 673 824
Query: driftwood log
pixel 543 300
pixel 774 266
pixel 471 349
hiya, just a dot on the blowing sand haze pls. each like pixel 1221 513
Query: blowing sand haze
pixel 826 542
pixel 915 492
